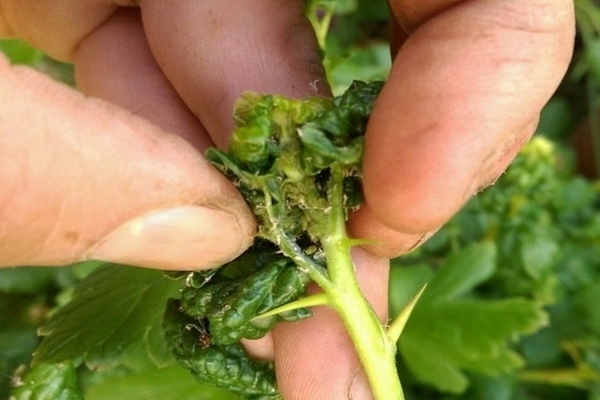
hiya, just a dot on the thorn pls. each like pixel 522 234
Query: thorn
pixel 311 301
pixel 397 326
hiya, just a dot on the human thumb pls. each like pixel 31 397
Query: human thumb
pixel 82 179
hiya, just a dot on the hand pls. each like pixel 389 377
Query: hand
pixel 468 82
pixel 82 177
pixel 202 55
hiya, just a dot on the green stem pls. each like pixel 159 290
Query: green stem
pixel 319 299
pixel 289 247
pixel 321 25
pixel 304 262
pixel 375 350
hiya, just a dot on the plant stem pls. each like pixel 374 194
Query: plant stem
pixel 375 350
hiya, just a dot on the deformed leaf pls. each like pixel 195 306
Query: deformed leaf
pixel 109 315
pixel 246 287
pixel 225 366
pixel 297 164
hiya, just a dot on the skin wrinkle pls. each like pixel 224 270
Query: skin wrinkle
pixel 542 19
pixel 224 207
pixel 491 28
pixel 411 14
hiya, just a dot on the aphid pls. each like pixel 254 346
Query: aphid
pixel 204 339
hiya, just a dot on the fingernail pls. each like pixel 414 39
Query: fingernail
pixel 182 238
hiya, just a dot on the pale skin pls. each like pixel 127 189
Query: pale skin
pixel 117 173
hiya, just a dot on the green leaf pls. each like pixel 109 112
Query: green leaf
pixel 405 282
pixel 463 271
pixel 48 382
pixel 173 383
pixel 430 368
pixel 109 316
pixel 592 56
pixel 537 254
pixel 448 334
pixel 15 342
pixel 557 119
pixel 587 300
pixel 371 63
pixel 157 349
pixel 26 279
pixel 16 345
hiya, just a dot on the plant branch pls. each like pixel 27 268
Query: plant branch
pixel 375 350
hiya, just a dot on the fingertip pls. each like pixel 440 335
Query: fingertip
pixel 416 172
pixel 382 241
pixel 180 238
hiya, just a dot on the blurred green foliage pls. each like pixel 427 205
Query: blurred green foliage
pixel 543 224
pixel 529 244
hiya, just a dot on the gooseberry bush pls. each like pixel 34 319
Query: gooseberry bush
pixel 500 304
